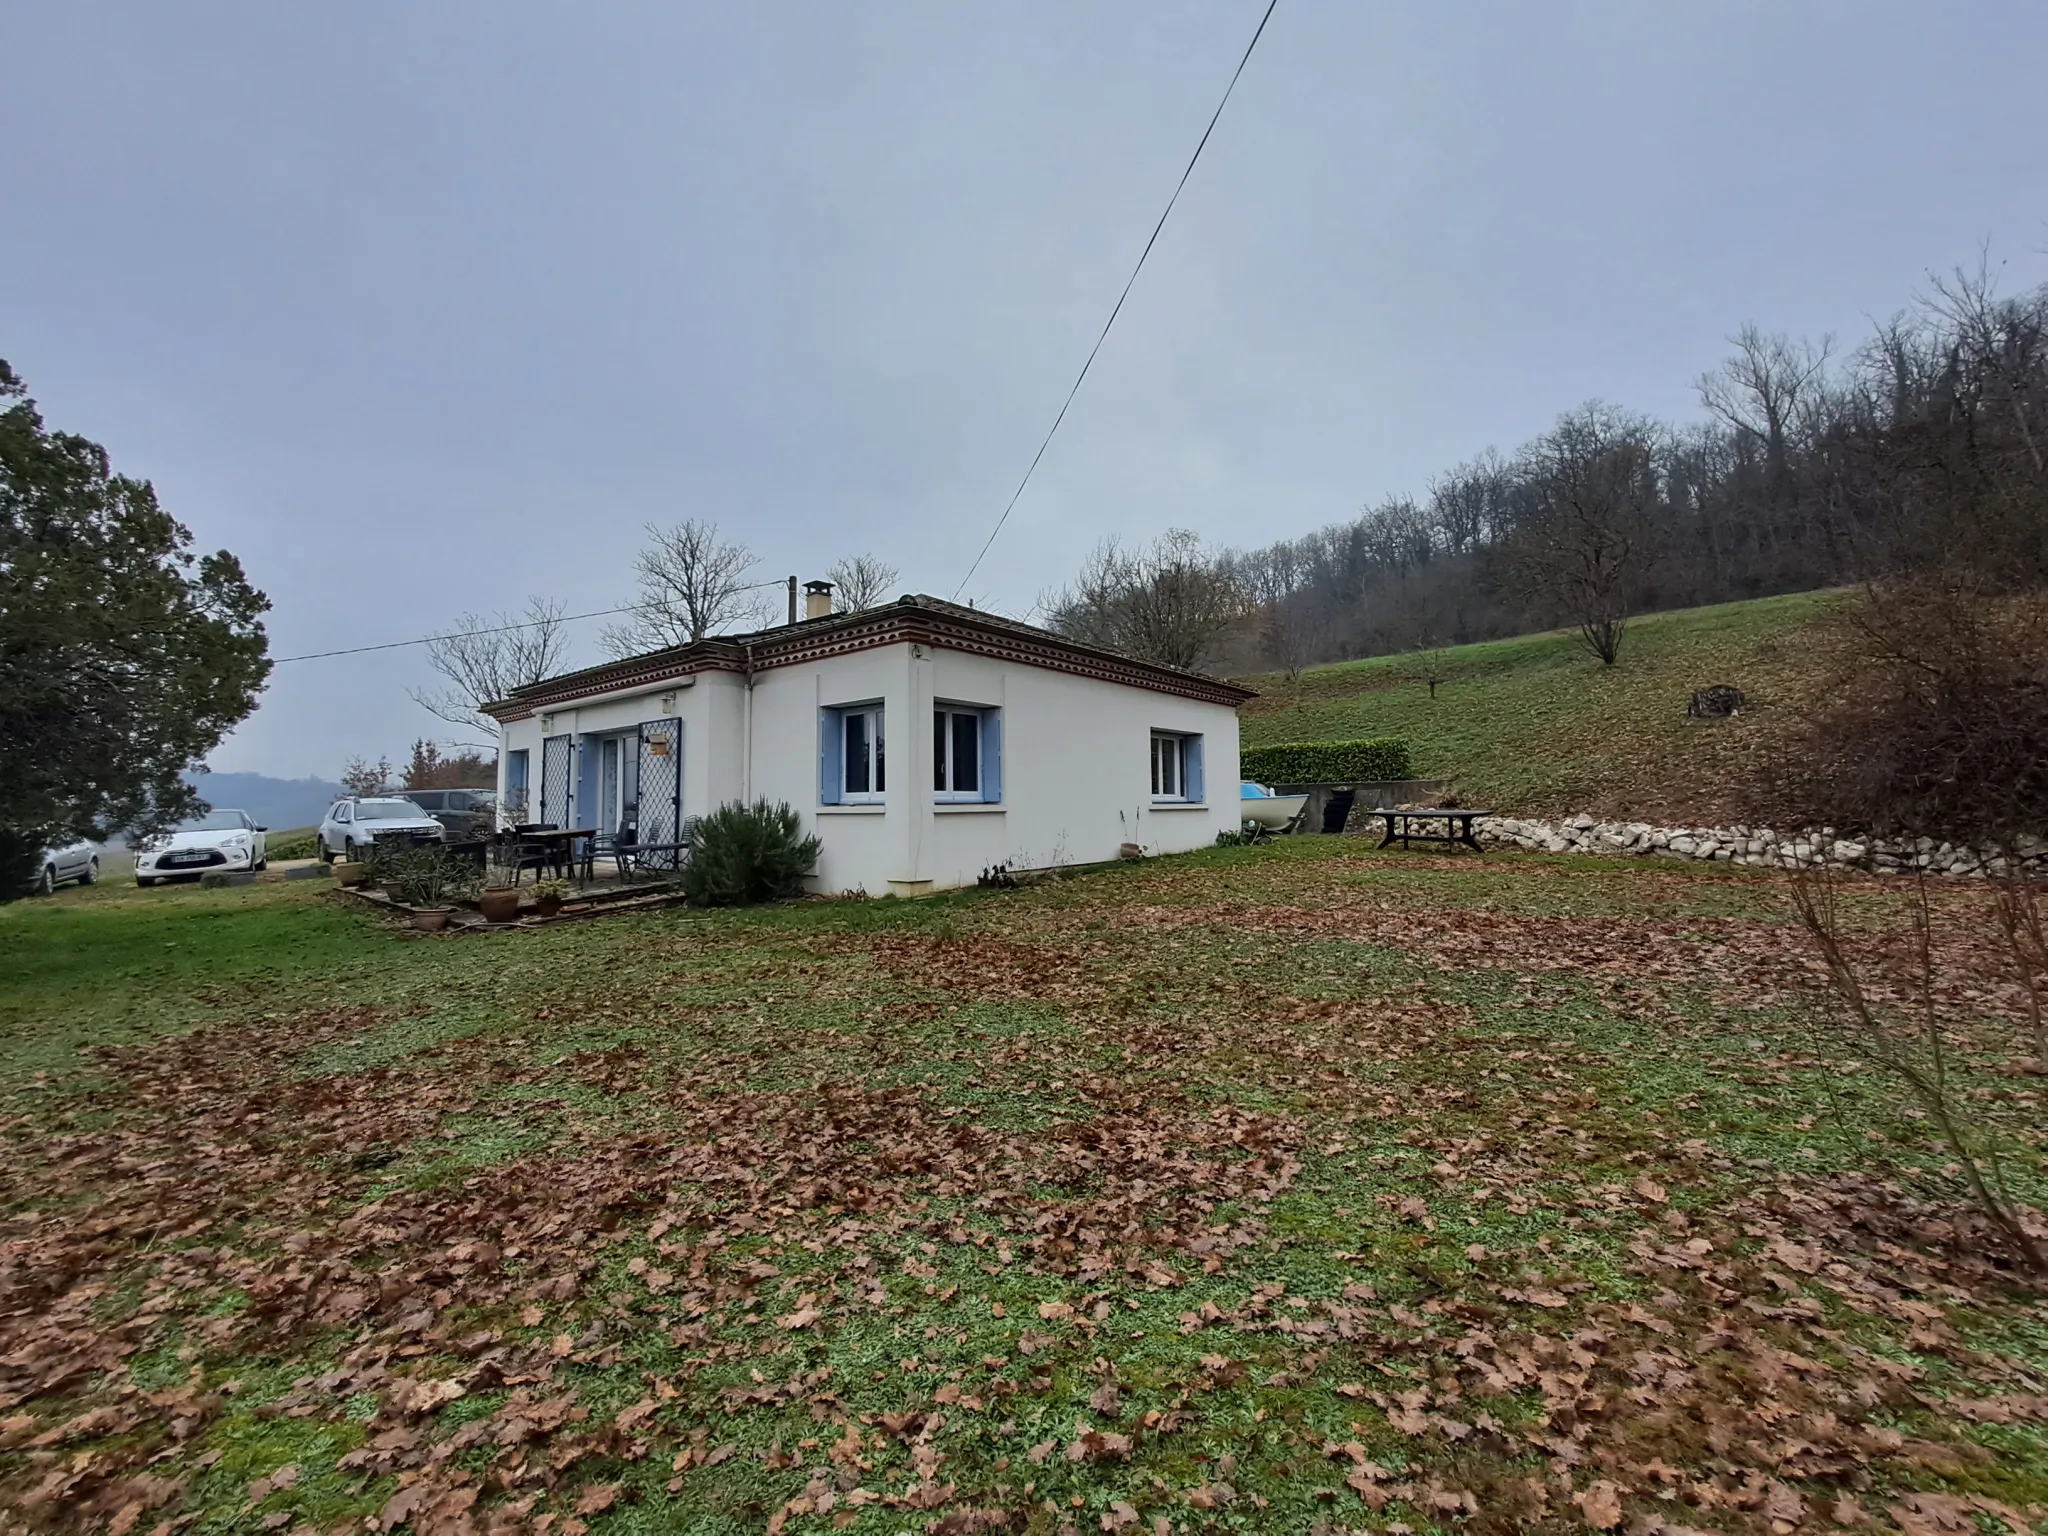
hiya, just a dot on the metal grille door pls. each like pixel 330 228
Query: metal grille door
pixel 554 780
pixel 661 787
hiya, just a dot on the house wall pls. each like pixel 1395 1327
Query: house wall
pixel 865 846
pixel 1077 771
pixel 1076 765
pixel 1076 768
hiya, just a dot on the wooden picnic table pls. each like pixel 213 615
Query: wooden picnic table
pixel 1457 827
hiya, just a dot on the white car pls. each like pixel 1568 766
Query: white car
pixel 74 861
pixel 351 827
pixel 223 840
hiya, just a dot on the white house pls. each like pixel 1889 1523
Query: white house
pixel 922 741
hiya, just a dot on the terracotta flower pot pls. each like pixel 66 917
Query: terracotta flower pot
pixel 351 872
pixel 499 906
pixel 430 919
pixel 548 906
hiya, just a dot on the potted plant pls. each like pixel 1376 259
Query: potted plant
pixel 430 882
pixel 384 866
pixel 351 871
pixel 499 903
pixel 548 896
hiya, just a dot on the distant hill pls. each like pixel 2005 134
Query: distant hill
pixel 1535 725
pixel 278 803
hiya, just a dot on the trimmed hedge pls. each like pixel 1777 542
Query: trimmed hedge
pixel 1327 762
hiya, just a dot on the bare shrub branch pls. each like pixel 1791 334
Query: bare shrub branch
pixel 1906 1040
pixel 2018 906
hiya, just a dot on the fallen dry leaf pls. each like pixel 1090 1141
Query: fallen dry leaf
pixel 1600 1504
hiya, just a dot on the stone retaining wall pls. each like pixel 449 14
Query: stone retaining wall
pixel 1759 846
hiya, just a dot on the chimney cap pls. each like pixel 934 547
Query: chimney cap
pixel 818 586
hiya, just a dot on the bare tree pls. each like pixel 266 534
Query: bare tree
pixel 489 656
pixel 1765 391
pixel 861 582
pixel 1286 636
pixel 1172 603
pixel 1427 663
pixel 1584 541
pixel 1468 505
pixel 692 583
pixel 2005 342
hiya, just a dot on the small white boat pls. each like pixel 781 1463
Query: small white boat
pixel 1273 812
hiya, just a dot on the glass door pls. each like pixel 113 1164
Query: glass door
pixel 609 805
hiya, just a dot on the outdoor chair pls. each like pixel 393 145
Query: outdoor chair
pixel 609 845
pixel 519 854
pixel 662 858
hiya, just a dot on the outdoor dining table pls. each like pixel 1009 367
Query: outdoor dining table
pixel 561 845
pixel 1457 827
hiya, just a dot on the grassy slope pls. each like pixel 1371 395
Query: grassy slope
pixel 1247 1156
pixel 1535 724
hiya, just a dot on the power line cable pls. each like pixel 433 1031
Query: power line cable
pixel 496 629
pixel 1099 340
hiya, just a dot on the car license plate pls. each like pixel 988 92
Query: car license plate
pixel 187 858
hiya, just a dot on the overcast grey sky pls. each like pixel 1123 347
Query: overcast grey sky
pixel 422 307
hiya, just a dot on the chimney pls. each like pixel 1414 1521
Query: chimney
pixel 817 599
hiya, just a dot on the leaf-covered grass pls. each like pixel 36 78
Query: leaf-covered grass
pixel 1535 725
pixel 1283 1188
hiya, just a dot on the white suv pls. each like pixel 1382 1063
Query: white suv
pixel 352 827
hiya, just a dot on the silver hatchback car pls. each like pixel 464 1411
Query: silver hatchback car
pixel 61 866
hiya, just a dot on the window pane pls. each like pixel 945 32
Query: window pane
pixel 939 750
pixel 875 727
pixel 856 753
pixel 967 753
pixel 1166 766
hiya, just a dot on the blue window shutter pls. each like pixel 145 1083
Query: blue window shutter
pixel 1191 768
pixel 831 756
pixel 992 756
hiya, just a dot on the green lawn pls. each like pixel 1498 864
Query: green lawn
pixel 1277 1189
pixel 1536 725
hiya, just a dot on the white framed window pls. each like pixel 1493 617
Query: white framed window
pixel 852 762
pixel 1176 767
pixel 967 754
